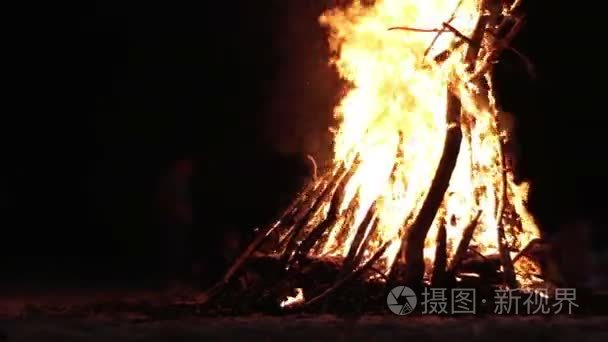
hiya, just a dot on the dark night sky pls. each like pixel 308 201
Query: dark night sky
pixel 109 94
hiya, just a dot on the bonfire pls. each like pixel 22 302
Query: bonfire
pixel 421 190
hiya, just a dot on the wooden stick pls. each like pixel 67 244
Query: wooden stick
pixel 475 43
pixel 452 17
pixel 253 246
pixel 505 256
pixel 447 27
pixel 299 208
pixel 503 44
pixel 297 204
pixel 413 272
pixel 463 245
pixel 415 29
pixel 348 277
pixel 414 267
pixel 292 244
pixel 443 56
pixel 305 207
pixel 332 216
pixel 358 245
pixel 380 273
pixel 365 244
pixel 347 218
pixel 355 245
pixel 438 277
pixel 531 245
pixel 515 7
pixel 314 166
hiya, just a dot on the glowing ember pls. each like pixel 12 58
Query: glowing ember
pixel 293 301
pixel 390 140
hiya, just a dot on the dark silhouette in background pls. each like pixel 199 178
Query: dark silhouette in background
pixel 124 110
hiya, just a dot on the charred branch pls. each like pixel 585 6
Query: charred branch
pixel 532 245
pixel 414 267
pixel 365 244
pixel 413 272
pixel 444 55
pixel 441 256
pixel 452 17
pixel 348 277
pixel 355 246
pixel 332 217
pixel 503 44
pixel 503 248
pixel 314 166
pixel 327 194
pixel 463 245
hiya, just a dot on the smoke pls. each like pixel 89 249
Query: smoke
pixel 306 88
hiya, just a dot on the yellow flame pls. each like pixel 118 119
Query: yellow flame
pixel 396 90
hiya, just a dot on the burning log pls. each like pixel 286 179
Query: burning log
pixel 414 244
pixel 441 257
pixel 347 220
pixel 463 245
pixel 359 256
pixel 505 256
pixel 356 245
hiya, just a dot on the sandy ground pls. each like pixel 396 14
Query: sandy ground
pixel 318 328
pixel 27 317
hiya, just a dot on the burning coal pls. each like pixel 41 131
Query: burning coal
pixel 420 179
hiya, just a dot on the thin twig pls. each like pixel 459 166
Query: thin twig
pixel 460 34
pixel 463 245
pixel 505 256
pixel 446 28
pixel 514 7
pixel 504 44
pixel 378 272
pixel 348 277
pixel 328 193
pixel 528 248
pixel 314 166
pixel 415 29
pixel 428 50
pixel 355 245
pixel 474 251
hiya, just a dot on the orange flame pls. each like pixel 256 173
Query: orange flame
pixel 398 91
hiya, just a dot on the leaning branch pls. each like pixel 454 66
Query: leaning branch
pixel 348 277
pixel 452 17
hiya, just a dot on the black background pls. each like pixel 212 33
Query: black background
pixel 104 96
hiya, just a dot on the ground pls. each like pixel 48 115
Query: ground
pixel 318 328
pixel 108 316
